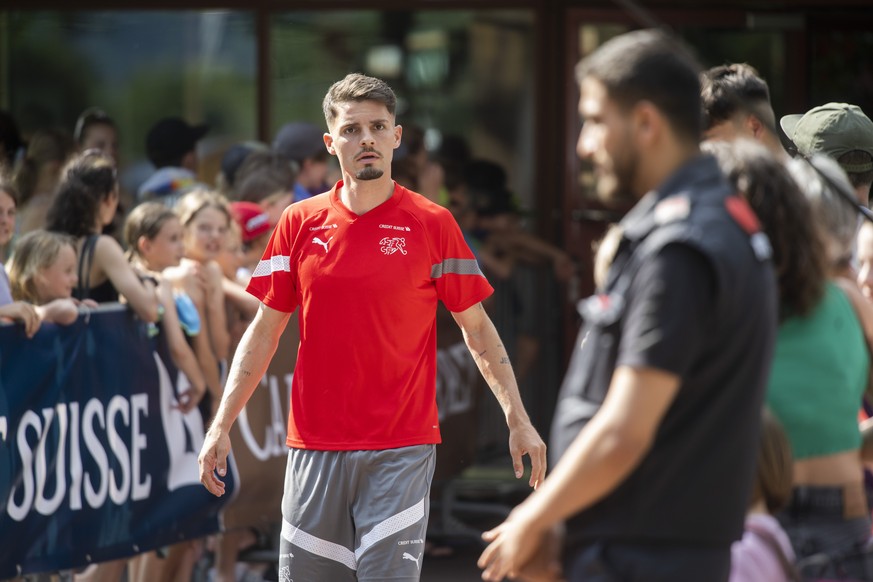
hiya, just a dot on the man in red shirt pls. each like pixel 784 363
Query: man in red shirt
pixel 366 263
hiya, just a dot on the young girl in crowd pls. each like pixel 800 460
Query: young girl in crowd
pixel 43 273
pixel 205 220
pixel 821 372
pixel 821 363
pixel 86 201
pixel 153 235
pixel 764 552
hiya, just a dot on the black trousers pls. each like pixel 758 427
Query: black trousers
pixel 639 562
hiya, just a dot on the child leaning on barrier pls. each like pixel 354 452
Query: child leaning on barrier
pixel 42 272
pixel 153 234
pixel 86 201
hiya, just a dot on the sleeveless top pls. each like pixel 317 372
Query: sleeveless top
pixel 103 293
pixel 818 377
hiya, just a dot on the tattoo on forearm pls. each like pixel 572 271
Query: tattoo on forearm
pixel 504 360
pixel 482 353
pixel 245 373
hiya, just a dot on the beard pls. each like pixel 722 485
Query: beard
pixel 369 173
pixel 615 181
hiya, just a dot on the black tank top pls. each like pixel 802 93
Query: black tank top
pixel 103 293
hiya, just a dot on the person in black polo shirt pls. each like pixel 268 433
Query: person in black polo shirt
pixel 659 413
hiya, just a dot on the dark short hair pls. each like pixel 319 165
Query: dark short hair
pixel 263 174
pixel 857 159
pixel 357 87
pixel 88 119
pixel 727 90
pixel 649 65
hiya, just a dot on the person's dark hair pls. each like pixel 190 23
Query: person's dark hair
pixel 46 146
pixel 413 142
pixel 857 158
pixel 10 138
pixel 89 118
pixel 87 180
pixel 727 90
pixel 488 190
pixel 774 473
pixel 357 87
pixel 453 154
pixel 799 251
pixel 649 65
pixel 263 174
pixel 8 185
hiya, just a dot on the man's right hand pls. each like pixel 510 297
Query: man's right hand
pixel 213 461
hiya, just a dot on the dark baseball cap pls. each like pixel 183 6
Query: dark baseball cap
pixel 171 138
pixel 235 155
pixel 832 129
pixel 299 140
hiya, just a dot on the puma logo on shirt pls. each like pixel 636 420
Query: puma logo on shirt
pixel 411 558
pixel 323 243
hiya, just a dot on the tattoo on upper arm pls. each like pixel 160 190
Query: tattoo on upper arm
pixel 504 360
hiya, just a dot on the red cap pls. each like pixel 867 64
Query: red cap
pixel 251 218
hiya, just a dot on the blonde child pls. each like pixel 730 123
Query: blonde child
pixel 205 220
pixel 42 272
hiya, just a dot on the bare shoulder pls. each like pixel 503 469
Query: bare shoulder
pixel 106 245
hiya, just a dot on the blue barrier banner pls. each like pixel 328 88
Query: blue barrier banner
pixel 96 463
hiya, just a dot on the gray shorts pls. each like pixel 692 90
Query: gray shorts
pixel 355 515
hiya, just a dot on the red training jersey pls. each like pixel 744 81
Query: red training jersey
pixel 367 287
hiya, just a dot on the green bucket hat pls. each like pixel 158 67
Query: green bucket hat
pixel 832 129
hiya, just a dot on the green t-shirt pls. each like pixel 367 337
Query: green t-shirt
pixel 818 377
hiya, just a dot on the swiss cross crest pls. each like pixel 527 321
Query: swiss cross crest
pixel 391 245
